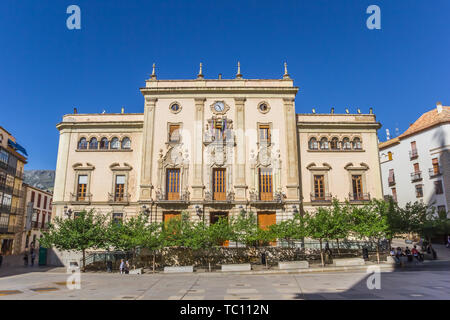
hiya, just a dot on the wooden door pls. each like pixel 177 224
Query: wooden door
pixel 214 217
pixel 265 184
pixel 219 184
pixel 357 187
pixel 265 220
pixel 173 184
pixel 171 215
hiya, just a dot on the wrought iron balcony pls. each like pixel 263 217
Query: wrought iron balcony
pixel 118 198
pixel 325 198
pixel 162 197
pixel 359 196
pixel 416 176
pixel 80 198
pixel 434 172
pixel 413 154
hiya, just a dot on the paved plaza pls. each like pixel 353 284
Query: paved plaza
pixel 429 283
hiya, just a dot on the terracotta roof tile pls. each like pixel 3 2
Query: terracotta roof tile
pixel 428 120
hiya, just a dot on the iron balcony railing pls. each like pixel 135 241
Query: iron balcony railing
pixel 359 196
pixel 118 198
pixel 83 198
pixel 326 197
pixel 5 208
pixel 413 154
pixel 436 171
pixel 416 176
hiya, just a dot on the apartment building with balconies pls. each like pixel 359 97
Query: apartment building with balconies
pixel 416 165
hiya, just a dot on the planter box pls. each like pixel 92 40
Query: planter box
pixel 178 269
pixel 293 265
pixel 349 262
pixel 136 271
pixel 236 267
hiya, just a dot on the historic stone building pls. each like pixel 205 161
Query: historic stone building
pixel 210 147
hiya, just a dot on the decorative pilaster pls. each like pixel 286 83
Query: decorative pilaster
pixel 147 149
pixel 197 187
pixel 291 148
pixel 239 183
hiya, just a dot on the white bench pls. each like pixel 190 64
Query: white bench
pixel 349 262
pixel 179 269
pixel 236 267
pixel 285 265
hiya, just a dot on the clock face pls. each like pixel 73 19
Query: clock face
pixel 219 106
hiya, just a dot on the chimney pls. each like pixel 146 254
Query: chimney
pixel 75 111
pixel 439 107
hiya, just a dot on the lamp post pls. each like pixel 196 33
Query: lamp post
pixel 67 212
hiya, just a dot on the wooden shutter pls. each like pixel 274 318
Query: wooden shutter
pixel 319 190
pixel 416 167
pixel 173 184
pixel 265 184
pixel 82 188
pixel 219 184
pixel 435 162
pixel 357 187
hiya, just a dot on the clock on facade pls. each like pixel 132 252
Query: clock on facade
pixel 219 106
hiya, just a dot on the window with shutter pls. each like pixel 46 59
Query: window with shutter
pixel 265 184
pixel 219 187
pixel 173 184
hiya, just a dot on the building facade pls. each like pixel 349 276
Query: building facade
pixel 12 161
pixel 38 214
pixel 338 158
pixel 211 148
pixel 416 165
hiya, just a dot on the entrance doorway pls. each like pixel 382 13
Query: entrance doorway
pixel 214 217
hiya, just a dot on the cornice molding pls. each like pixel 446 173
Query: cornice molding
pixel 221 90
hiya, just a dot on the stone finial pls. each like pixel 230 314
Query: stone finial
pixel 238 74
pixel 153 77
pixel 200 72
pixel 286 74
pixel 439 107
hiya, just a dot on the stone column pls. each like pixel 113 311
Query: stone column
pixel 239 165
pixel 197 172
pixel 291 149
pixel 147 149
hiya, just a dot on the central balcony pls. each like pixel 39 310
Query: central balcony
pixel 80 198
pixel 324 198
pixel 118 198
pixel 353 197
pixel 163 197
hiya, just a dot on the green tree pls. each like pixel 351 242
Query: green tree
pixel 289 230
pixel 244 228
pixel 340 217
pixel 85 231
pixel 319 226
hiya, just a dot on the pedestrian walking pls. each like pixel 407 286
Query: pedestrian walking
pixel 415 253
pixel 122 266
pixel 127 267
pixel 33 256
pixel 25 259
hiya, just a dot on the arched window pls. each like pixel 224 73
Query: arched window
pixel 346 145
pixel 357 144
pixel 115 143
pixel 82 144
pixel 93 144
pixel 313 144
pixel 104 143
pixel 334 144
pixel 126 143
pixel 324 144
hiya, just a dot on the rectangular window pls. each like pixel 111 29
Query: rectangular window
pixel 82 187
pixel 119 189
pixel 394 194
pixel 419 191
pixel 265 184
pixel 174 133
pixel 389 156
pixel 43 220
pixel 438 187
pixel 4 156
pixel 416 167
pixel 45 202
pixel 173 184
pixel 264 133
pixel 319 189
pixel 117 217
pixel 32 197
pixel 39 200
pixel 219 186
pixel 435 162
pixel 357 187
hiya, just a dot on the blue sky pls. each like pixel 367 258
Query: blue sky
pixel 401 70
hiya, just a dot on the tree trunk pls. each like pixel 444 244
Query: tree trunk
pixel 321 253
pixel 378 252
pixel 339 250
pixel 84 260
pixel 154 253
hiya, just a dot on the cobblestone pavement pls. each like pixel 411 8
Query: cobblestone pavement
pixel 404 284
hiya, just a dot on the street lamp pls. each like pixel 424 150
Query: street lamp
pixel 198 210
pixel 294 208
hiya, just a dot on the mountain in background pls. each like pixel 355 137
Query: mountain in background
pixel 42 179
